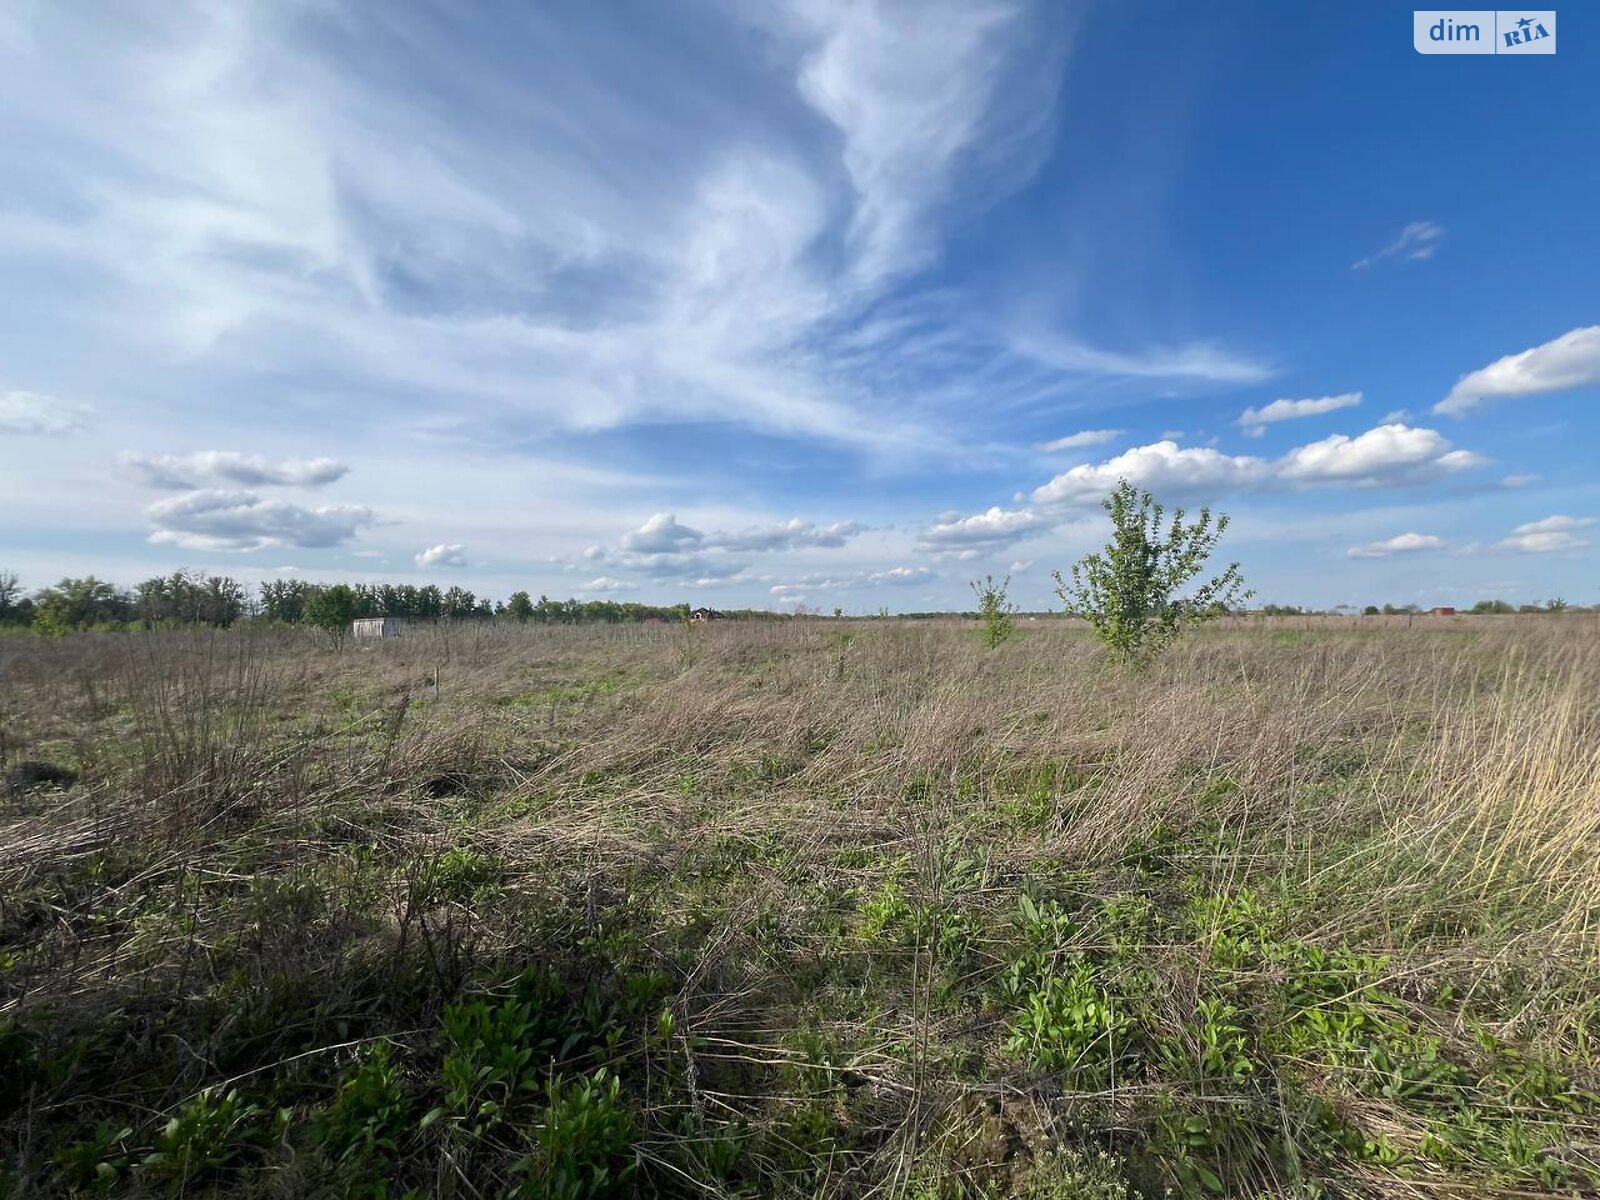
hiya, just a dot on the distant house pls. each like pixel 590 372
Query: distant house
pixel 376 627
pixel 705 614
pixel 1442 611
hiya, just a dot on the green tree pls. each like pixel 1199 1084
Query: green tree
pixel 332 608
pixel 10 596
pixel 80 604
pixel 996 609
pixel 1371 610
pixel 1129 592
pixel 1555 604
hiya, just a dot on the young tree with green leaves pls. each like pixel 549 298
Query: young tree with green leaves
pixel 1129 591
pixel 996 609
pixel 332 609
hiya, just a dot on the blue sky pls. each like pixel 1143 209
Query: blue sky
pixel 823 303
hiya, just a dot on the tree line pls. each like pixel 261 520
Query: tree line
pixel 189 598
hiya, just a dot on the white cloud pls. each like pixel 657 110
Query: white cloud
pixel 665 549
pixel 1164 468
pixel 1518 481
pixel 796 589
pixel 230 466
pixel 1417 241
pixel 1255 420
pixel 1404 543
pixel 661 534
pixel 1556 524
pixel 1388 455
pixel 1199 361
pixel 453 555
pixel 997 527
pixel 786 535
pixel 33 413
pixel 1551 534
pixel 1088 437
pixel 606 583
pixel 911 89
pixel 1570 361
pixel 218 520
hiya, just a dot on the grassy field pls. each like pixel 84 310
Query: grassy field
pixel 818 908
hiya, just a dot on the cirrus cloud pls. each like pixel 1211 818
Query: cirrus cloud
pixel 1417 241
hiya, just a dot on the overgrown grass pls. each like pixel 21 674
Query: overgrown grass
pixel 804 909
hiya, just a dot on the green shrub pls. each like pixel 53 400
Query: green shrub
pixel 212 1131
pixel 585 1142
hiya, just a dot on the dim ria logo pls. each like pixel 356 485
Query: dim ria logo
pixel 1484 31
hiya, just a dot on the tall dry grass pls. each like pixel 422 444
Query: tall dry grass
pixel 259 814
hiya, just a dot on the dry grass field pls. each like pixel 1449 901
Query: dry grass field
pixel 809 908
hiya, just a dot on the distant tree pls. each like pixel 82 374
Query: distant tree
pixel 332 608
pixel 458 604
pixel 284 600
pixel 80 604
pixel 10 596
pixel 1555 605
pixel 520 607
pixel 1492 607
pixel 1371 610
pixel 995 609
pixel 1128 592
pixel 1281 610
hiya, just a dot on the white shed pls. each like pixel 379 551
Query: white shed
pixel 376 627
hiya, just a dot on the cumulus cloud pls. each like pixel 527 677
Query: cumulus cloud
pixel 1386 456
pixel 1088 437
pixel 1389 455
pixel 661 534
pixel 1254 421
pixel 606 583
pixel 1165 468
pixel 229 466
pixel 986 530
pixel 1518 481
pixel 1404 543
pixel 33 413
pixel 453 555
pixel 1570 361
pixel 786 535
pixel 218 520
pixel 1417 241
pixel 1551 534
